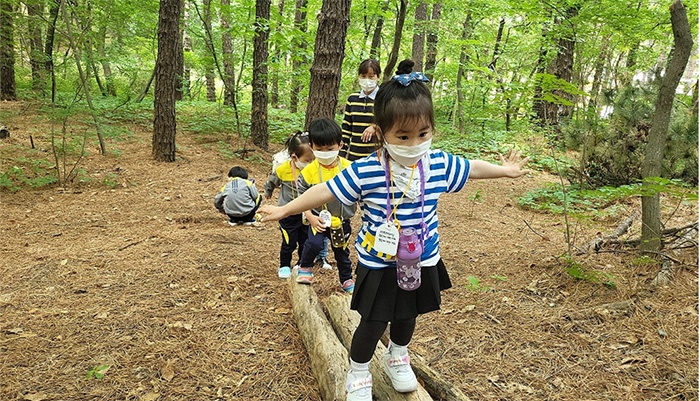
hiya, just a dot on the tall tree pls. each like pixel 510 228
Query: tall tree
pixel 651 167
pixel 75 49
pixel 418 48
pixel 329 51
pixel 7 52
pixel 35 11
pixel 164 124
pixel 54 6
pixel 229 77
pixel 432 40
pixel 209 70
pixel 375 47
pixel 461 71
pixel 258 118
pixel 180 54
pixel 278 62
pixel 298 57
pixel 398 31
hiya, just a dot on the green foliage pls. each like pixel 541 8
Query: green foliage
pixel 580 272
pixel 473 284
pixel 98 372
pixel 25 168
pixel 615 150
pixel 601 202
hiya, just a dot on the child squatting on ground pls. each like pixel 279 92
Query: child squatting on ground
pixel 295 227
pixel 238 199
pixel 329 219
pixel 399 273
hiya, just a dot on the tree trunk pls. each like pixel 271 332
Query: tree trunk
pixel 329 51
pixel 209 71
pixel 651 166
pixel 35 13
pixel 48 45
pixel 418 48
pixel 431 42
pixel 164 123
pixel 298 59
pixel 229 77
pixel 398 31
pixel 375 48
pixel 597 77
pixel 461 71
pixel 328 357
pixel 106 67
pixel 276 66
pixel 179 54
pixel 7 52
pixel 83 77
pixel 186 50
pixel 564 66
pixel 258 118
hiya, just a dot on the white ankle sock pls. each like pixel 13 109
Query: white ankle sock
pixel 397 349
pixel 358 367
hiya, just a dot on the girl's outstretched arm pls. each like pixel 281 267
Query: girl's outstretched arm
pixel 511 166
pixel 313 197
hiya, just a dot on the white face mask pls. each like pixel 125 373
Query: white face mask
pixel 326 158
pixel 300 165
pixel 367 84
pixel 408 155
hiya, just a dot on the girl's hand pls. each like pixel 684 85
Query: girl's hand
pixel 368 133
pixel 315 222
pixel 513 163
pixel 273 213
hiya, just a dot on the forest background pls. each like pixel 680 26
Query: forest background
pixel 573 84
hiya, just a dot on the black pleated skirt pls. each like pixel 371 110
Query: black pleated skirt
pixel 377 296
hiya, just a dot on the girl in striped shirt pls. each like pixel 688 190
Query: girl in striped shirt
pixel 399 274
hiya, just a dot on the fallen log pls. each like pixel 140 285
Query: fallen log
pixel 600 241
pixel 329 358
pixel 431 383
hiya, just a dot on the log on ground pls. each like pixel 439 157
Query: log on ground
pixel 329 358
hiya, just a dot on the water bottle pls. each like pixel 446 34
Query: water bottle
pixel 408 257
pixel 337 236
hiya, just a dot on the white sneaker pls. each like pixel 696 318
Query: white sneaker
pixel 324 264
pixel 359 385
pixel 398 368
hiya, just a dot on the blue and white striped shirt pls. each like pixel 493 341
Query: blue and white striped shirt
pixel 364 182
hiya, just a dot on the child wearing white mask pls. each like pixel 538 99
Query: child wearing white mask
pixel 358 133
pixel 329 219
pixel 400 273
pixel 294 228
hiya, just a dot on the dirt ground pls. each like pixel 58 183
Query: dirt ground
pixel 143 292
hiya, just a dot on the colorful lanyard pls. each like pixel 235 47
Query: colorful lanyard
pixel 389 195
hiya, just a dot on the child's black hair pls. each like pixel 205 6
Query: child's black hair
pixel 397 104
pixel 238 172
pixel 296 142
pixel 325 132
pixel 368 64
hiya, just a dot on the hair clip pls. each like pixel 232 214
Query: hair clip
pixel 406 79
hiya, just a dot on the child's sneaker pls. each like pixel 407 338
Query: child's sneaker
pixel 232 223
pixel 359 385
pixel 398 367
pixel 323 263
pixel 284 272
pixel 305 275
pixel 348 285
